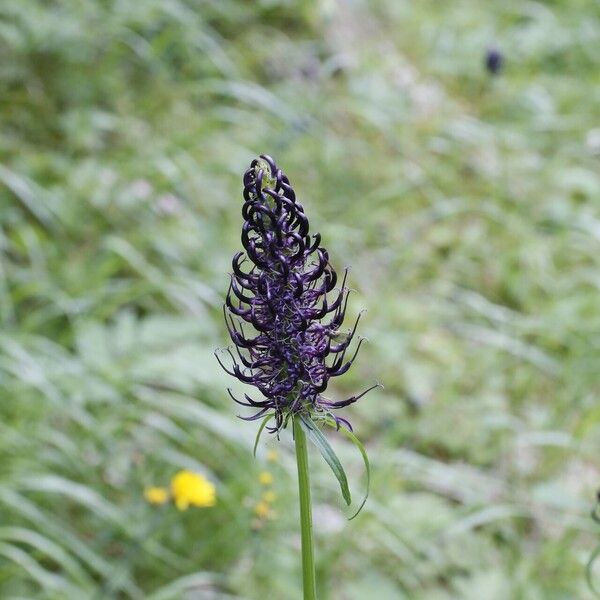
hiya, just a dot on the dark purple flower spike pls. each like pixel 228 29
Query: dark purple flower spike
pixel 285 288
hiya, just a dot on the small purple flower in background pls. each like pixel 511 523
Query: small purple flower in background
pixel 285 288
pixel 494 61
pixel 141 189
pixel 168 204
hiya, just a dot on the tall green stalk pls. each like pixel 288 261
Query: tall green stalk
pixel 306 528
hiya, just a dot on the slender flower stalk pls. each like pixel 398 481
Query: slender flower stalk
pixel 284 287
pixel 306 527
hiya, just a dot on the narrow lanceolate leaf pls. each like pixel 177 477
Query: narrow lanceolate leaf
pixel 320 441
pixel 363 453
pixel 260 430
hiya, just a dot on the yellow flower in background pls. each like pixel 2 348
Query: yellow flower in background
pixel 192 489
pixel 156 495
pixel 187 489
pixel 272 455
pixel 262 510
pixel 269 497
pixel 265 478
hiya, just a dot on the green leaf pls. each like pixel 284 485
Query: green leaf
pixel 260 430
pixel 320 441
pixel 589 571
pixel 589 575
pixel 363 452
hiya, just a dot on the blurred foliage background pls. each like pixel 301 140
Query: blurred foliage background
pixel 469 208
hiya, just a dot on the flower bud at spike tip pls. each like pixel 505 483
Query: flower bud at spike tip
pixel 285 288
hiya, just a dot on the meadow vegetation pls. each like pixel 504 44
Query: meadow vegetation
pixel 468 207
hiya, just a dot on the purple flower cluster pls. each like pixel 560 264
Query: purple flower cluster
pixel 285 287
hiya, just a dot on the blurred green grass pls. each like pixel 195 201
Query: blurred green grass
pixel 468 207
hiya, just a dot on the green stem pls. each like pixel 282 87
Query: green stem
pixel 308 558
